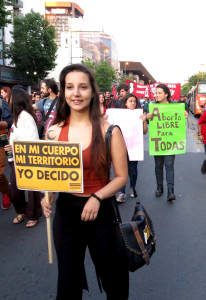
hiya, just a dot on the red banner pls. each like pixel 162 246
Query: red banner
pixel 149 91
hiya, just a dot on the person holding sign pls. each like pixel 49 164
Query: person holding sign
pixel 131 102
pixel 23 128
pixel 86 219
pixel 163 97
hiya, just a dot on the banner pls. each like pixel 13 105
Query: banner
pixel 149 91
pixel 167 129
pixel 48 166
pixel 132 129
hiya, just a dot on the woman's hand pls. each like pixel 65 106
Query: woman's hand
pixel 148 116
pixel 47 206
pixel 105 117
pixel 186 114
pixel 90 210
pixel 201 138
pixel 8 148
pixel 143 117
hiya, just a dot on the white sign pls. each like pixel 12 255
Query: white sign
pixel 132 129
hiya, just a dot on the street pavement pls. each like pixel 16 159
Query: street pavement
pixel 177 270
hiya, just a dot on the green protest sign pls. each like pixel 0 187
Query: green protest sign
pixel 167 129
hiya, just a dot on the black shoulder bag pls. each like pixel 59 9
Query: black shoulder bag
pixel 40 126
pixel 136 239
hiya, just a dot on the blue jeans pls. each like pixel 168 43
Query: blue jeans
pixel 168 161
pixel 133 173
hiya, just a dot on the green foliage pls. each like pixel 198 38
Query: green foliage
pixel 124 78
pixel 201 76
pixel 185 88
pixel 103 73
pixel 34 48
pixel 5 13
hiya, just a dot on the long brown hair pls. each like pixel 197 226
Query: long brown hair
pixel 63 111
pixel 20 101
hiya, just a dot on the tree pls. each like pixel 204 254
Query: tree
pixel 201 76
pixel 185 88
pixel 125 78
pixel 103 73
pixel 5 13
pixel 33 50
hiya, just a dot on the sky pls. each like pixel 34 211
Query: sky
pixel 167 36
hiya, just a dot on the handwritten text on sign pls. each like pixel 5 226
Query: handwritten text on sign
pixel 167 129
pixel 48 166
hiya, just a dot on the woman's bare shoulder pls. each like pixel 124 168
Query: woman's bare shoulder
pixel 105 127
pixel 53 132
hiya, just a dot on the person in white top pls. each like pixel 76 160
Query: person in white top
pixel 23 128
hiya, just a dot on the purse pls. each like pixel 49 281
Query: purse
pixel 136 240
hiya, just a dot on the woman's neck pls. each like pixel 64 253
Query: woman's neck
pixel 165 101
pixel 79 117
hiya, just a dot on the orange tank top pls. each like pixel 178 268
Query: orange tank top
pixel 92 182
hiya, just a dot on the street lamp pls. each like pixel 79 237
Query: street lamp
pixel 126 64
pixel 29 74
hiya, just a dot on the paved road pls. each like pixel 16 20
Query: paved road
pixel 177 270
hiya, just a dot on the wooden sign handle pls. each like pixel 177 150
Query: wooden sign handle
pixel 49 234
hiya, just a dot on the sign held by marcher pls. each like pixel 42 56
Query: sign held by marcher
pixel 48 166
pixel 167 129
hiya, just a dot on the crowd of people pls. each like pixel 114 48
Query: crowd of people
pixel 78 112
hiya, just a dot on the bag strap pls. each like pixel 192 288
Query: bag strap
pixel 140 242
pixel 43 121
pixel 108 159
pixel 1 109
pixel 108 147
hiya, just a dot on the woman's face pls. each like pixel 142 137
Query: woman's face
pixel 161 96
pixel 3 94
pixel 78 91
pixel 101 99
pixel 131 103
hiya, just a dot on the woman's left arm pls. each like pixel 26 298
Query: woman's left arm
pixel 186 114
pixel 144 119
pixel 119 160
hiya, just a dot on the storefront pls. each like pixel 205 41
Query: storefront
pixel 8 77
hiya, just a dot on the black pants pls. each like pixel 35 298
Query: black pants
pixel 32 208
pixel 168 161
pixel 72 236
pixel 4 185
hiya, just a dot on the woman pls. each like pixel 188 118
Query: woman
pixel 5 93
pixel 23 128
pixel 102 104
pixel 163 95
pixel 202 129
pixel 86 219
pixel 131 102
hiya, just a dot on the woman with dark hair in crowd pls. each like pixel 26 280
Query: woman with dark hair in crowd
pixel 130 101
pixel 102 104
pixel 163 95
pixel 23 128
pixel 5 93
pixel 86 219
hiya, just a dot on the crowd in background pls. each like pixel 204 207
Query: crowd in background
pixel 40 102
pixel 80 104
